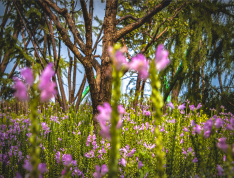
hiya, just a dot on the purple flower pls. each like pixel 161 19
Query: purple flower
pixel 232 121
pixel 140 64
pixel 17 175
pixel 208 125
pixel 224 158
pixel 207 133
pixel 229 127
pixel 105 112
pixel 195 160
pixel 121 109
pixel 220 170
pixel 182 106
pixel 222 144
pixel 170 104
pixel 150 147
pixel 184 152
pixel 181 141
pixel 57 157
pixel 66 159
pixel 119 59
pixel 140 165
pixel 27 165
pixel 192 107
pixel 185 129
pixel 161 58
pixel 123 162
pixel 131 152
pixel 42 168
pixel 197 129
pixel 21 90
pixel 100 171
pixel 45 85
pixel 199 106
pixel 192 123
pixel 218 123
pixel 189 149
pixel 105 115
pixel 27 75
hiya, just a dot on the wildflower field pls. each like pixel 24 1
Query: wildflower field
pixel 127 142
pixel 193 144
pixel 124 142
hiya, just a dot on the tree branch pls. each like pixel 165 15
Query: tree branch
pixel 70 23
pixel 126 17
pixel 127 29
pixel 62 31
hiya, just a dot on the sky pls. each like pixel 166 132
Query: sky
pixel 99 11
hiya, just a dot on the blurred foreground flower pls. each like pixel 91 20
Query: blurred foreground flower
pixel 140 64
pixel 105 116
pixel 118 58
pixel 100 171
pixel 46 85
pixel 170 104
pixel 27 75
pixel 222 144
pixel 21 90
pixel 182 106
pixel 161 58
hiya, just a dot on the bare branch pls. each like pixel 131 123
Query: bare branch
pixel 70 23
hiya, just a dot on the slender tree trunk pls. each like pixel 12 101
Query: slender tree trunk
pixel 79 94
pixel 137 92
pixel 219 75
pixel 69 75
pixel 45 43
pixel 203 81
pixel 142 91
pixel 64 100
pixel 75 59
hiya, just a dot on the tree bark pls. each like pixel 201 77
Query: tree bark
pixel 69 75
pixel 142 91
pixel 109 28
pixel 79 94
pixel 75 60
pixel 6 57
pixel 137 92
pixel 219 75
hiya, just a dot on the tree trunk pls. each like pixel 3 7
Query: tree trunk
pixel 219 75
pixel 109 28
pixel 69 75
pixel 137 91
pixel 142 91
pixel 79 94
pixel 6 57
pixel 64 100
pixel 75 59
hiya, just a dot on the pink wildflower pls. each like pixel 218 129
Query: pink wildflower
pixel 21 90
pixel 222 144
pixel 161 58
pixel 170 104
pixel 182 106
pixel 140 64
pixel 100 171
pixel 27 75
pixel 45 85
